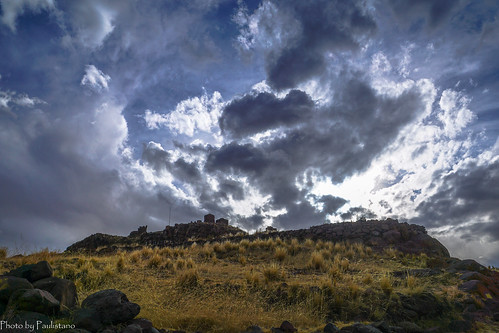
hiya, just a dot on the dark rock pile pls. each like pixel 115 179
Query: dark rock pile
pixel 408 238
pixel 32 300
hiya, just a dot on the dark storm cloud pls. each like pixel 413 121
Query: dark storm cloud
pixel 464 197
pixel 337 140
pixel 258 112
pixel 50 185
pixel 237 158
pixel 433 13
pixel 318 27
pixel 356 213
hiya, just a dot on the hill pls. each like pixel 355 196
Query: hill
pixel 407 238
pixel 368 276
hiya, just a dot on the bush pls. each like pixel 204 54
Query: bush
pixel 273 273
pixel 280 253
pixel 155 261
pixel 385 284
pixel 317 261
pixel 188 279
pixel 3 253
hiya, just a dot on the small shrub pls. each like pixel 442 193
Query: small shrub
pixel 135 256
pixel 367 279
pixel 273 273
pixel 207 251
pixel 410 281
pixel 345 264
pixel 252 278
pixel 385 284
pixel 3 253
pixel 354 289
pixel 218 248
pixel 244 243
pixel 146 253
pixel 309 243
pixel 120 264
pixel 317 261
pixel 155 261
pixel 180 264
pixel 334 271
pixel 294 247
pixel 166 252
pixel 189 263
pixel 188 279
pixel 280 253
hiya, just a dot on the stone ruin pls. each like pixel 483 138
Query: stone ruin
pixel 141 230
pixel 222 221
pixel 209 218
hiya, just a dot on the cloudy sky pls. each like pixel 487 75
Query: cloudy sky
pixel 283 113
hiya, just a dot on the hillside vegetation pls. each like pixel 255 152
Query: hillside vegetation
pixel 228 286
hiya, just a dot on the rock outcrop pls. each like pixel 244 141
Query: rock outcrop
pixel 407 238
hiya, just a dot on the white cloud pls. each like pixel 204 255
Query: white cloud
pixel 380 63
pixel 455 115
pixel 12 9
pixel 404 174
pixel 95 78
pixel 92 21
pixel 9 99
pixel 190 115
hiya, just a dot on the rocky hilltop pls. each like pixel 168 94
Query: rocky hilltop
pixel 408 238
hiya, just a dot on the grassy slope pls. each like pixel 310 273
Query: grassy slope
pixel 227 287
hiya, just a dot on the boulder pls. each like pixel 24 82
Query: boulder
pixel 9 284
pixel 87 319
pixel 35 300
pixel 360 328
pixel 132 328
pixel 31 318
pixel 468 265
pixel 460 326
pixel 410 327
pixel 330 328
pixel 112 306
pixel 33 272
pixel 476 287
pixel 253 329
pixel 63 290
pixel 286 327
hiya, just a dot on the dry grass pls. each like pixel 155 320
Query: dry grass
pixel 226 287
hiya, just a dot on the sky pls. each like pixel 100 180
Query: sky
pixel 114 114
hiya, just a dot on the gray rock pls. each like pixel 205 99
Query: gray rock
pixel 145 325
pixel 112 306
pixel 87 319
pixel 360 328
pixel 33 272
pixel 133 328
pixel 9 284
pixel 32 318
pixel 35 300
pixel 63 290
pixel 330 328
pixel 460 326
pixel 468 265
pixel 410 327
pixel 253 329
